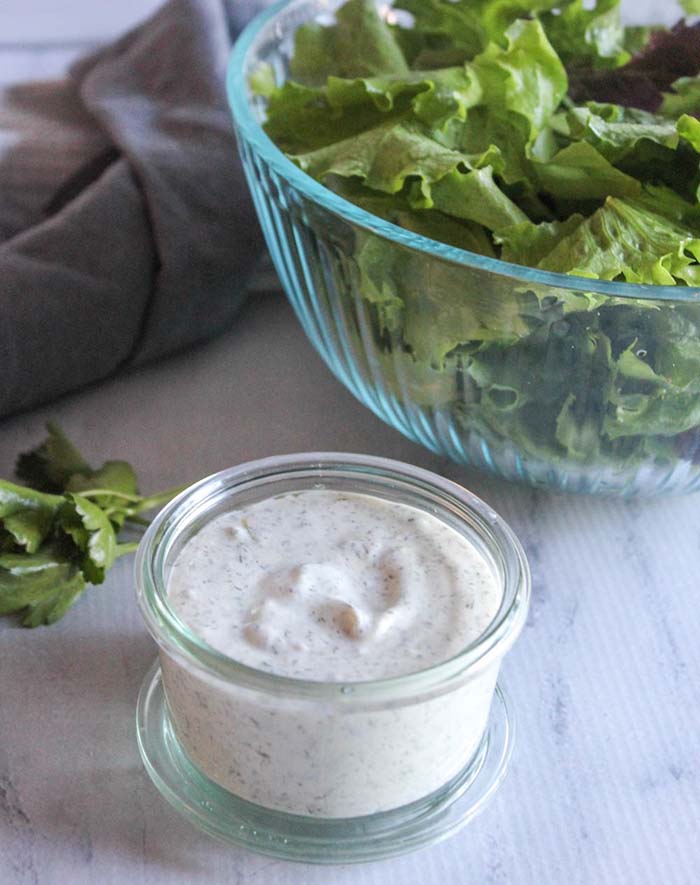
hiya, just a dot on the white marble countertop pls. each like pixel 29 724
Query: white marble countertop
pixel 605 783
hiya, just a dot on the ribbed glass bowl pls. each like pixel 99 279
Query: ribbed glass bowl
pixel 529 390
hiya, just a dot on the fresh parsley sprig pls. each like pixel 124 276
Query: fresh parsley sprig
pixel 59 532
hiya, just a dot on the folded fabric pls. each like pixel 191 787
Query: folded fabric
pixel 140 238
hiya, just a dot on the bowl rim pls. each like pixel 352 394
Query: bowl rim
pixel 200 502
pixel 248 126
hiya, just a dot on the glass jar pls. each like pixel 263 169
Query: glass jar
pixel 325 770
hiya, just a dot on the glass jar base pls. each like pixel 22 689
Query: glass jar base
pixel 314 840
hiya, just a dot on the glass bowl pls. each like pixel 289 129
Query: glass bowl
pixel 326 771
pixel 574 384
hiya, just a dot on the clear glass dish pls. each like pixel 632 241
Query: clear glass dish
pixel 387 765
pixel 529 391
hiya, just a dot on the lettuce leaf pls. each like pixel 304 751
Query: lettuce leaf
pixel 448 32
pixel 360 44
pixel 580 172
pixel 688 129
pixel 301 118
pixel 547 134
pixel 581 34
pixel 432 224
pixel 444 29
pixel 528 243
pixel 684 99
pixel 498 140
pixel 526 77
pixel 473 196
pixel 383 158
pixel 625 240
pixel 616 132
pixel 668 56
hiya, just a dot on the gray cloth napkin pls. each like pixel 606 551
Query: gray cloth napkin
pixel 139 239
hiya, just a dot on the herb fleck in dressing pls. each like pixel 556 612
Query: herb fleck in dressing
pixel 331 587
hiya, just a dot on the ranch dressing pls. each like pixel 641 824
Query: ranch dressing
pixel 336 588
pixel 330 586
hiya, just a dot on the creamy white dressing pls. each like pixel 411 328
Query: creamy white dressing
pixel 333 587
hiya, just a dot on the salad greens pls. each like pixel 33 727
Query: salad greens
pixel 542 132
pixel 494 136
pixel 59 532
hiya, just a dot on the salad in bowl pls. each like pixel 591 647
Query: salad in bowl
pixel 486 215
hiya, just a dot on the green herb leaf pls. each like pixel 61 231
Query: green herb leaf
pixel 50 466
pixel 56 465
pixel 92 534
pixel 26 516
pixel 114 490
pixel 53 545
pixel 42 585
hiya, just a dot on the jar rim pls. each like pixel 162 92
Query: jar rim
pixel 478 521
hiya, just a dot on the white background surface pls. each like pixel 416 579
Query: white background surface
pixel 38 21
pixel 605 783
pixel 604 787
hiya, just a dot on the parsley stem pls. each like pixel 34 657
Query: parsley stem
pixel 96 493
pixel 140 503
pixel 161 498
pixel 126 548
